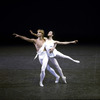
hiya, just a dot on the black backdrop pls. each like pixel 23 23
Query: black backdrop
pixel 71 19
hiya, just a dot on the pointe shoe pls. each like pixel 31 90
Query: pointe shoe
pixel 77 61
pixel 57 79
pixel 41 84
pixel 64 79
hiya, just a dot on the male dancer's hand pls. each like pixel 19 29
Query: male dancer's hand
pixel 51 50
pixel 16 35
pixel 31 31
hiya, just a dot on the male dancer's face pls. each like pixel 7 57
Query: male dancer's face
pixel 39 34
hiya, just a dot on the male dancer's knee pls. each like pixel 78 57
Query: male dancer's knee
pixel 42 74
pixel 42 69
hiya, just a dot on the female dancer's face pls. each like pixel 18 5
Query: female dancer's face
pixel 50 33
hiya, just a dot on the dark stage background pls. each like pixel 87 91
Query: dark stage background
pixel 71 19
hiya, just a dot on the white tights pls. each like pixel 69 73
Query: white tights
pixel 59 54
pixel 56 64
pixel 44 62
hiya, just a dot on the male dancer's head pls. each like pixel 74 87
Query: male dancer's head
pixel 40 33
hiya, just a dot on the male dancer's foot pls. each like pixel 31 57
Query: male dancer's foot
pixel 41 84
pixel 57 79
pixel 64 79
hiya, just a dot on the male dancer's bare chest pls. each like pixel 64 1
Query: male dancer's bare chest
pixel 39 44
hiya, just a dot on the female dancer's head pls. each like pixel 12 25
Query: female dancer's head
pixel 50 34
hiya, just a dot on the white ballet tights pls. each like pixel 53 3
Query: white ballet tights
pixel 44 63
pixel 55 62
pixel 59 54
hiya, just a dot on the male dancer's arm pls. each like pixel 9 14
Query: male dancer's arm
pixel 36 34
pixel 51 50
pixel 33 33
pixel 58 42
pixel 24 38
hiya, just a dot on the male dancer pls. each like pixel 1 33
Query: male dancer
pixel 43 58
pixel 52 52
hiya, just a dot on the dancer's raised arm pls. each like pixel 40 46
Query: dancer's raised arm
pixel 36 34
pixel 24 38
pixel 33 33
pixel 58 42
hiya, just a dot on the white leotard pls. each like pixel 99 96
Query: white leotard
pixel 48 46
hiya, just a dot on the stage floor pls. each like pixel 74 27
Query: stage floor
pixel 19 74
